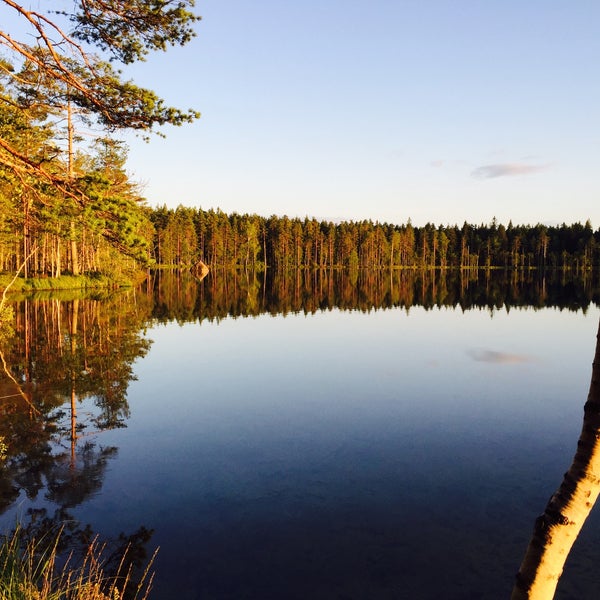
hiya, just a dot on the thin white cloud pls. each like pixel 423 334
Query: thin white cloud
pixel 506 170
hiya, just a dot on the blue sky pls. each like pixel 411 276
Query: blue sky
pixel 434 110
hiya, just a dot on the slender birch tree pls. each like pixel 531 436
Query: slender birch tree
pixel 556 530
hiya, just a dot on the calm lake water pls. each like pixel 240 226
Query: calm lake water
pixel 398 448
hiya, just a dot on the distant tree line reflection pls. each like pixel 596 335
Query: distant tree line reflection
pixel 179 296
pixel 67 361
pixel 64 375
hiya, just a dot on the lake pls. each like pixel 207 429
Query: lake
pixel 323 435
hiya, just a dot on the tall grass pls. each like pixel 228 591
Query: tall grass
pixel 64 282
pixel 33 569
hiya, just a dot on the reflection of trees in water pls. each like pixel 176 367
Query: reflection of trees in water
pixel 178 296
pixel 66 370
pixel 222 294
pixel 123 559
pixel 73 479
pixel 65 375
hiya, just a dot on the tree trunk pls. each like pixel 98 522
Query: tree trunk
pixel 556 530
pixel 74 256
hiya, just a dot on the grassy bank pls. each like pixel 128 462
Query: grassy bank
pixel 64 282
pixel 33 569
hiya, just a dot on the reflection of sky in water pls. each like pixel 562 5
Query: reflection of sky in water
pixel 344 453
pixel 499 358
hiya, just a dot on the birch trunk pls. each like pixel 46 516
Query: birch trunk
pixel 556 530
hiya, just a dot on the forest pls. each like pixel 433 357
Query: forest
pixel 69 206
pixel 107 227
pixel 66 202
pixel 118 234
pixel 55 242
pixel 84 214
pixel 182 236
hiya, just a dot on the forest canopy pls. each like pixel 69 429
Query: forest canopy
pixel 184 235
pixel 59 76
pixel 67 204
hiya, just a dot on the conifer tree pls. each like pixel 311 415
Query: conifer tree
pixel 62 65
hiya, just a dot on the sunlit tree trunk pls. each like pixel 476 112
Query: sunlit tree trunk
pixel 70 133
pixel 73 338
pixel 557 528
pixel 74 257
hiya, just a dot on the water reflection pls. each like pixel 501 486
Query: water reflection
pixel 266 467
pixel 182 297
pixel 123 559
pixel 497 358
pixel 67 363
pixel 64 378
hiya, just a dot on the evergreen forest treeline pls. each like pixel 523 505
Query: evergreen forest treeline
pixel 182 236
pixel 100 223
pixel 67 204
pixel 49 244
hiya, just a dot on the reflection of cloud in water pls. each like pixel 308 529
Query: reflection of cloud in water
pixel 501 358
